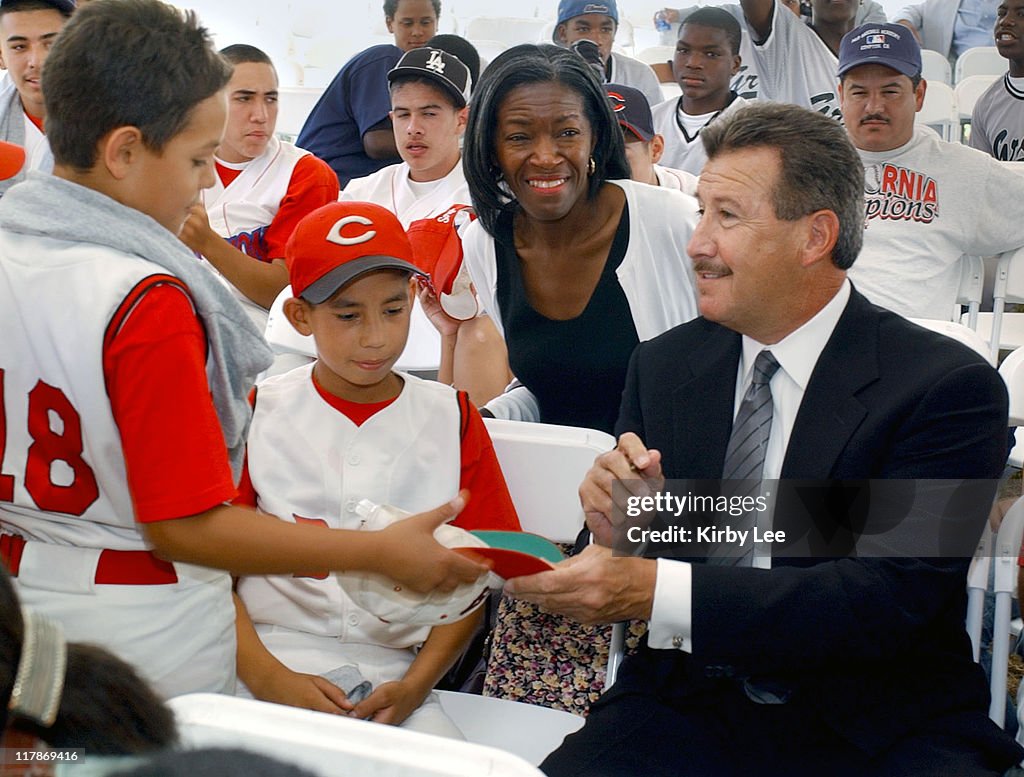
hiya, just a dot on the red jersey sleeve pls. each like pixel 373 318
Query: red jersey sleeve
pixel 155 369
pixel 490 505
pixel 313 183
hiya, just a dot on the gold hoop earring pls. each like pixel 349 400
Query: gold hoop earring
pixel 591 166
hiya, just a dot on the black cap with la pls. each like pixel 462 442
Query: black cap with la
pixel 437 65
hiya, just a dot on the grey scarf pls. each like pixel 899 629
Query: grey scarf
pixel 53 207
pixel 12 129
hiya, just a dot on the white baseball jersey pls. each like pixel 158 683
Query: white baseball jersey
pixel 930 202
pixel 670 178
pixel 38 155
pixel 242 211
pixel 683 152
pixel 997 123
pixel 410 201
pixel 79 495
pixel 309 462
pixel 793 65
pixel 67 485
pixel 392 188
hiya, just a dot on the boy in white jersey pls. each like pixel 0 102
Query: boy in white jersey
pixel 430 89
pixel 27 30
pixel 126 364
pixel 345 429
pixel 644 146
pixel 264 186
pixel 594 24
pixel 706 59
pixel 997 122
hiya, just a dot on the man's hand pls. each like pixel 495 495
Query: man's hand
pixel 593 587
pixel 308 691
pixel 390 703
pixel 638 469
pixel 409 554
pixel 196 232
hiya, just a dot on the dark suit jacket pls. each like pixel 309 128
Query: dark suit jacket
pixel 876 646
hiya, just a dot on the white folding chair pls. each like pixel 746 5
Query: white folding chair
pixel 967 93
pixel 959 332
pixel 509 30
pixel 935 68
pixel 544 465
pixel 488 50
pixel 1001 550
pixel 979 61
pixel 294 104
pixel 525 730
pixel 970 291
pixel 1005 330
pixel 939 110
pixel 333 745
pixel 656 55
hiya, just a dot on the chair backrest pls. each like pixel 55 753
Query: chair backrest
pixel 509 30
pixel 1012 372
pixel 939 110
pixel 544 465
pixel 422 350
pixel 959 332
pixel 935 67
pixel 979 61
pixel 333 745
pixel 488 50
pixel 656 55
pixel 967 93
pixel 294 104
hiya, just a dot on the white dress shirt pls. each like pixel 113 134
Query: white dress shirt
pixel 797 353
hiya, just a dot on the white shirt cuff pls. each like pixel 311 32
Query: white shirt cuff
pixel 672 611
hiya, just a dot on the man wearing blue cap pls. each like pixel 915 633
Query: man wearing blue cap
pixel 929 202
pixel 588 27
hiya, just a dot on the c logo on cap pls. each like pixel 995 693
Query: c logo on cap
pixel 335 236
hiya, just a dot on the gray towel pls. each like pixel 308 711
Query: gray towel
pixel 53 207
pixel 12 129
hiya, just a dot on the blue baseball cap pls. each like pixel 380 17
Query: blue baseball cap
pixel 892 45
pixel 570 9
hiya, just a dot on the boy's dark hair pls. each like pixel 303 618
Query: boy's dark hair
pixel 17 6
pixel 523 65
pixel 243 53
pixel 391 8
pixel 120 63
pixel 459 47
pixel 711 16
pixel 105 708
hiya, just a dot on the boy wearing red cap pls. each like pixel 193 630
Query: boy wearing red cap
pixel 344 429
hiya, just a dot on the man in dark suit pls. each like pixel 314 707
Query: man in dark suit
pixel 799 664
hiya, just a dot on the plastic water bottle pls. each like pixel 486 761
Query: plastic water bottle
pixel 664 28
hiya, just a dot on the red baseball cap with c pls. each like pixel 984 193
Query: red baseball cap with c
pixel 338 242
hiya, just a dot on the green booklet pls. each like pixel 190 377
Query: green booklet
pixel 516 553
